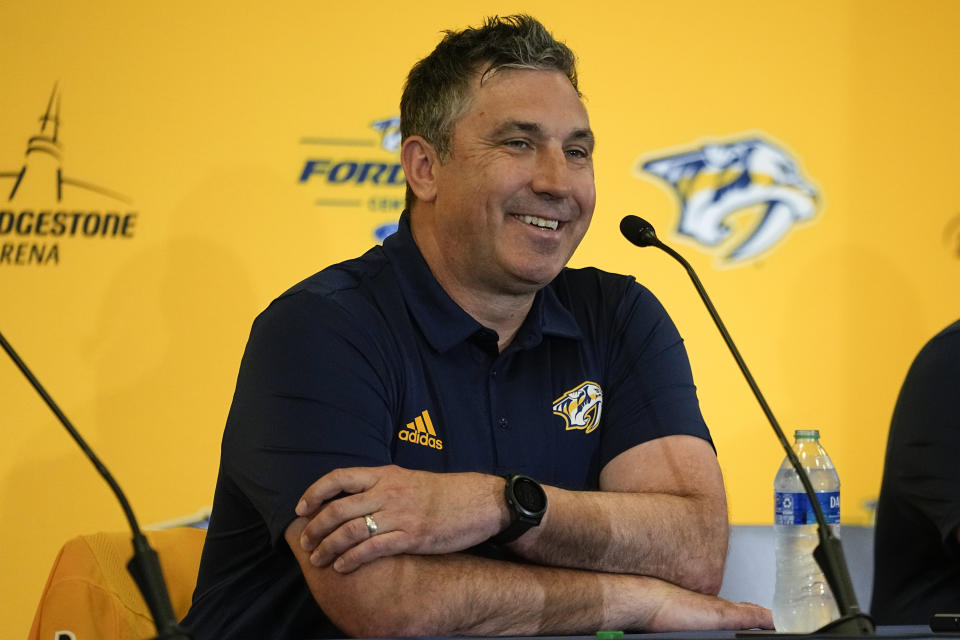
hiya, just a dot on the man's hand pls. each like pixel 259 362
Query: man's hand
pixel 680 609
pixel 415 512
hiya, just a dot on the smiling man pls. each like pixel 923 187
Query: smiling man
pixel 454 434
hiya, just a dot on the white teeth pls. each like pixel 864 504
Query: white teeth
pixel 539 222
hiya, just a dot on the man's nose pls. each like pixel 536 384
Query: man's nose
pixel 551 176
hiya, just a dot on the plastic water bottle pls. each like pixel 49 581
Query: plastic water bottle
pixel 802 600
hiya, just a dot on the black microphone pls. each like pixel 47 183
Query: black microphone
pixel 144 566
pixel 829 553
pixel 638 231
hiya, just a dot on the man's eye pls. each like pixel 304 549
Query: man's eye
pixel 517 144
pixel 577 153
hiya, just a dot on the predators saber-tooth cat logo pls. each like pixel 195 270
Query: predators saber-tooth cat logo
pixel 718 180
pixel 580 407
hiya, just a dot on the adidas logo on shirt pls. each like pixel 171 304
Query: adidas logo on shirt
pixel 421 432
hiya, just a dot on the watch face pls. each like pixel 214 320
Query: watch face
pixel 529 495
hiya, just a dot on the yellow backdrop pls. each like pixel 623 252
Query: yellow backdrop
pixel 202 157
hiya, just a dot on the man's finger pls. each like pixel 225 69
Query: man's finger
pixel 349 480
pixel 762 617
pixel 351 534
pixel 745 615
pixel 336 514
pixel 378 546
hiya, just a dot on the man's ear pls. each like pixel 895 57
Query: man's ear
pixel 420 161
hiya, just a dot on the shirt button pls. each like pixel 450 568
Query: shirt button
pixel 493 373
pixel 503 423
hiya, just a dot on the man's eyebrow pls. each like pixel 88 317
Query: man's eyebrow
pixel 533 128
pixel 517 126
pixel 584 135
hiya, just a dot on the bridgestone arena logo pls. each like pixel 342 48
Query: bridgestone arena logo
pixel 59 224
pixel 31 235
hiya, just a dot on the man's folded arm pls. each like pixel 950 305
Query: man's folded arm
pixel 459 594
pixel 661 513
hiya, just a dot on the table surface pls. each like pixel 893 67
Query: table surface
pixel 887 632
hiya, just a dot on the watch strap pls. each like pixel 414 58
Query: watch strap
pixel 514 530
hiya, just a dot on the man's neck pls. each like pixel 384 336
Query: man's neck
pixel 504 312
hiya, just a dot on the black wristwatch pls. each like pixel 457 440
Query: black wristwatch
pixel 527 503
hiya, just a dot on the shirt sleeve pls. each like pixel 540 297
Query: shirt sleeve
pixel 651 390
pixel 313 394
pixel 926 435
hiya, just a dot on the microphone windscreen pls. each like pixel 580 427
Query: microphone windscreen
pixel 638 231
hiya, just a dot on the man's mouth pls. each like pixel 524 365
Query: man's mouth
pixel 541 223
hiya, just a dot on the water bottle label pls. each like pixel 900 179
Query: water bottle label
pixel 795 508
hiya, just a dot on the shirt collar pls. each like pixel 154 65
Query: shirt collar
pixel 443 322
pixel 547 317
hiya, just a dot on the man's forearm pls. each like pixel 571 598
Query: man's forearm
pixel 681 539
pixel 459 594
pixel 662 512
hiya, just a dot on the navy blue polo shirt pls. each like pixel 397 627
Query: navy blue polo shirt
pixel 370 362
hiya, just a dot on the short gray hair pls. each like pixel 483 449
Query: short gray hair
pixel 437 91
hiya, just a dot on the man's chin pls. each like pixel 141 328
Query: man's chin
pixel 532 280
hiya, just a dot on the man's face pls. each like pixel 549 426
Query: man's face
pixel 517 194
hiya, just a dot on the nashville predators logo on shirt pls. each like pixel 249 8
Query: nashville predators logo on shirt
pixel 580 407
pixel 420 431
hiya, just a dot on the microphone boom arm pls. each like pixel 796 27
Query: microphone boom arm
pixel 144 566
pixel 829 553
